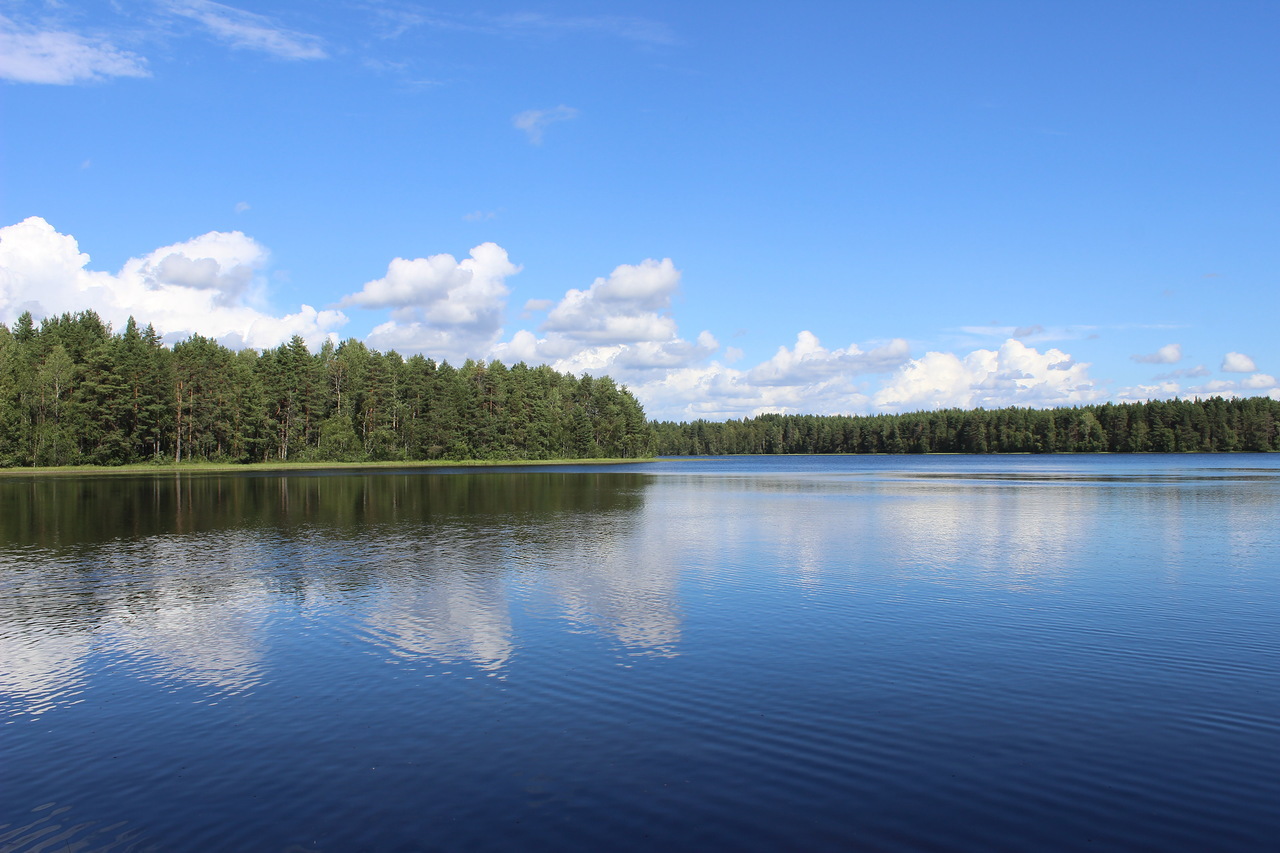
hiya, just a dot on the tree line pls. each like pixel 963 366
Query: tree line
pixel 1159 426
pixel 74 392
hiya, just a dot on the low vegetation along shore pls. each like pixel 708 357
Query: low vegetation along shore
pixel 73 395
pixel 170 467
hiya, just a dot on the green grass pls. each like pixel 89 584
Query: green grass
pixel 238 467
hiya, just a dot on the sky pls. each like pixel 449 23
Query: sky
pixel 813 207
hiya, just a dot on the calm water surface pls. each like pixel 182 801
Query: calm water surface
pixel 880 653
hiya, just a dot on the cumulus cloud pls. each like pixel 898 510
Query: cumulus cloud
pixel 622 308
pixel 1141 393
pixel 535 122
pixel 1014 375
pixel 716 392
pixel 619 325
pixel 1250 386
pixel 439 305
pixel 32 55
pixel 248 30
pixel 208 285
pixel 809 362
pixel 1237 362
pixel 1167 354
pixel 807 378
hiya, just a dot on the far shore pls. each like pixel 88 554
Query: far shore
pixel 285 467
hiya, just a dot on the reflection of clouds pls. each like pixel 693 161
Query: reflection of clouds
pixel 184 601
pixel 450 617
pixel 447 595
pixel 623 579
pixel 1012 535
pixel 42 642
pixel 39 665
pixel 437 593
pixel 815 525
pixel 200 611
pixel 210 641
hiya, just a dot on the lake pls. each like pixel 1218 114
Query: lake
pixel 754 653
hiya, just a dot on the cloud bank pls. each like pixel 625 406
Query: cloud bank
pixel 621 324
pixel 209 285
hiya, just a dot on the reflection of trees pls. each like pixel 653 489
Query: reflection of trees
pixel 181 573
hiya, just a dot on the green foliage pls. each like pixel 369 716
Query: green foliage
pixel 71 392
pixel 1159 426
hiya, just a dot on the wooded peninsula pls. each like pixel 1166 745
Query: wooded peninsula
pixel 72 392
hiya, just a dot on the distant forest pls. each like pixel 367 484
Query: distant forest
pixel 1173 426
pixel 72 392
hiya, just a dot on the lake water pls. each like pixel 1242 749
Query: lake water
pixel 880 653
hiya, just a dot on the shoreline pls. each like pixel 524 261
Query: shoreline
pixel 308 467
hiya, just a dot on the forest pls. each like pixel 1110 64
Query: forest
pixel 1158 426
pixel 72 392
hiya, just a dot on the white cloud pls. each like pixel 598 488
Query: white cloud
pixel 1142 393
pixel 210 285
pixel 624 308
pixel 241 206
pixel 1249 386
pixel 809 362
pixel 1237 362
pixel 1167 354
pixel 441 306
pixel 249 30
pixel 716 392
pixel 620 325
pixel 535 122
pixel 31 55
pixel 805 379
pixel 1014 375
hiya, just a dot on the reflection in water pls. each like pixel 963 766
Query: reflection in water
pixel 841 653
pixel 624 579
pixel 183 573
pixel 450 615
pixel 54 827
pixel 40 667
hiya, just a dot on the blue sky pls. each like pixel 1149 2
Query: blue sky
pixel 732 208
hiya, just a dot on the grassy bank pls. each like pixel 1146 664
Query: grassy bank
pixel 285 467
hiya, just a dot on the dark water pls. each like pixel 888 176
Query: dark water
pixel 940 653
